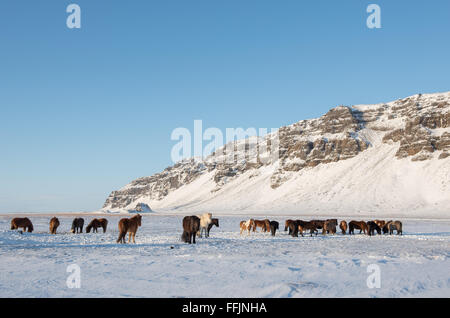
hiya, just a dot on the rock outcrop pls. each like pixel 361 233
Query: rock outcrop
pixel 417 127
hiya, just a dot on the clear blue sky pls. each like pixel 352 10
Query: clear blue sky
pixel 83 112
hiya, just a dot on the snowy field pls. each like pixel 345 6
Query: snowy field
pixel 225 265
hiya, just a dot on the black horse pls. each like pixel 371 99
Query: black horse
pixel 77 225
pixel 191 225
pixel 214 222
pixel 274 226
pixel 372 227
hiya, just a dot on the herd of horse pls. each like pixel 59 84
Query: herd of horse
pixel 329 227
pixel 198 224
pixel 126 225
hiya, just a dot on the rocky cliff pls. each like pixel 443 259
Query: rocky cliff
pixel 410 133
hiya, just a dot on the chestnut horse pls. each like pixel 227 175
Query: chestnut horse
pixel 24 223
pixel 263 224
pixel 129 226
pixel 77 225
pixel 213 222
pixel 95 224
pixel 380 223
pixel 360 225
pixel 343 226
pixel 54 223
pixel 191 225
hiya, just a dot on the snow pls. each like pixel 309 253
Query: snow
pixel 224 265
pixel 374 182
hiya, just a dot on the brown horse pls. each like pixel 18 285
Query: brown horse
pixel 329 226
pixel 318 223
pixel 263 224
pixel 24 223
pixel 380 223
pixel 95 224
pixel 360 225
pixel 287 225
pixel 343 226
pixel 213 222
pixel 396 225
pixel 191 225
pixel 303 226
pixel 129 226
pixel 385 227
pixel 77 225
pixel 293 228
pixel 54 223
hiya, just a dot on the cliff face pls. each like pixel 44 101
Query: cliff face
pixel 416 129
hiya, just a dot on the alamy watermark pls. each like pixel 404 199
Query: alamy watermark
pixel 374 279
pixel 74 279
pixel 374 19
pixel 237 144
pixel 74 19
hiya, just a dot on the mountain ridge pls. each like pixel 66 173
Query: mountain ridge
pixel 409 137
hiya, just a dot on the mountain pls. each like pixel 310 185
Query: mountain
pixel 388 159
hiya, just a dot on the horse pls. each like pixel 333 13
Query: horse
pixel 95 224
pixel 263 224
pixel 267 222
pixel 371 227
pixel 77 225
pixel 129 226
pixel 385 227
pixel 205 221
pixel 303 225
pixel 343 226
pixel 396 225
pixel 247 226
pixel 329 226
pixel 213 222
pixel 274 225
pixel 286 226
pixel 191 225
pixel 293 228
pixel 54 223
pixel 360 225
pixel 24 223
pixel 380 223
pixel 318 223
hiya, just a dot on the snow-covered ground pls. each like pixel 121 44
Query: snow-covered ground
pixel 224 265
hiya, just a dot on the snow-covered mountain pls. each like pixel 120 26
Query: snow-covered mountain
pixel 384 159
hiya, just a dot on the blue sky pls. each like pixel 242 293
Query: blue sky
pixel 83 112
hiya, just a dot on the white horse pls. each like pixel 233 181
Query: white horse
pixel 205 220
